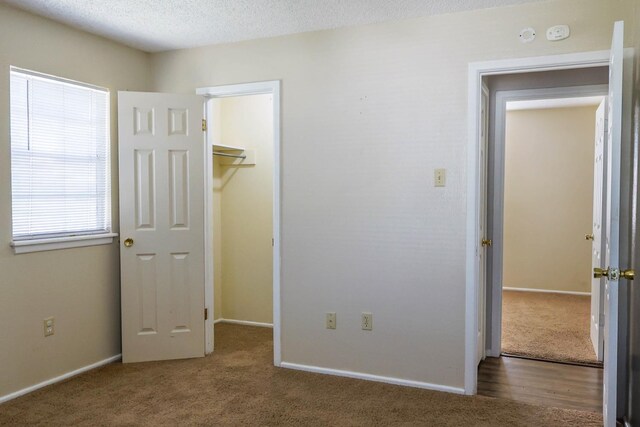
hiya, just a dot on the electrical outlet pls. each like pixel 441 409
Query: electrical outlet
pixel 331 320
pixel 48 326
pixel 367 321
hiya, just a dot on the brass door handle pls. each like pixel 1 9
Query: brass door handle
pixel 128 242
pixel 487 242
pixel 588 236
pixel 628 274
pixel 600 272
pixel 614 274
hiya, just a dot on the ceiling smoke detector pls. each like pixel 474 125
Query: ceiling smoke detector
pixel 527 35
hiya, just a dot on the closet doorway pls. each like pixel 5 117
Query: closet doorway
pixel 243 267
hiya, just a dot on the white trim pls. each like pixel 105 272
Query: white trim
pixel 599 58
pixel 208 235
pixel 57 379
pixel 241 89
pixel 59 79
pixel 244 322
pixel 544 104
pixel 546 291
pixel 272 87
pixel 477 70
pixel 38 245
pixel 370 377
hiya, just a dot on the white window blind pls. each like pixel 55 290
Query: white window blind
pixel 60 172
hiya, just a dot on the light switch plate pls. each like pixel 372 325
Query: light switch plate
pixel 440 177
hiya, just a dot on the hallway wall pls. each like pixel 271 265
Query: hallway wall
pixel 548 201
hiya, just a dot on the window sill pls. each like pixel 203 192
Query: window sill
pixel 39 245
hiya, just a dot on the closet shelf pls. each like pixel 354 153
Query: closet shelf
pixel 230 155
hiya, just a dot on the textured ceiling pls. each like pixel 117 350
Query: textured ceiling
pixel 157 25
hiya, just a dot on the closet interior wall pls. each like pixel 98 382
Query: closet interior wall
pixel 243 211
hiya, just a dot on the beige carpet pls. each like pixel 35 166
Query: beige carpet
pixel 239 386
pixel 547 326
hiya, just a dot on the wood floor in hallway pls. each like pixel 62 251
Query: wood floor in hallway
pixel 542 383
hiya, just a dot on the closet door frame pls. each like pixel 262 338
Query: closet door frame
pixel 268 87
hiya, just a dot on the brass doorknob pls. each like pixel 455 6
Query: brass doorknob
pixel 128 242
pixel 487 242
pixel 600 272
pixel 628 274
pixel 588 236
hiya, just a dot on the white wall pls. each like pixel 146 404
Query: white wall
pixel 79 287
pixel 246 201
pixel 548 198
pixel 367 114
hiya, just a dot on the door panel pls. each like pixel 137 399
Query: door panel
pixel 179 189
pixel 161 159
pixel 144 177
pixel 612 226
pixel 146 282
pixel 597 249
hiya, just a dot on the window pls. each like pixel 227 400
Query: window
pixel 60 168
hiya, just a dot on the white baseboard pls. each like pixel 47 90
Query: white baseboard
pixel 59 378
pixel 505 288
pixel 370 377
pixel 244 322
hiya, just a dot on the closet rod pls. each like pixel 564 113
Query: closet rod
pixel 235 156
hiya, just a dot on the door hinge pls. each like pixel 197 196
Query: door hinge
pixel 206 313
pixel 273 242
pixel 204 125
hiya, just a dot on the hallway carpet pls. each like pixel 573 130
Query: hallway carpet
pixel 238 385
pixel 547 326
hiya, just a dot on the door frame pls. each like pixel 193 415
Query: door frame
pixel 243 89
pixel 496 206
pixel 476 72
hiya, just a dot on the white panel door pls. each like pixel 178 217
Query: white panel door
pixel 611 227
pixel 597 243
pixel 161 160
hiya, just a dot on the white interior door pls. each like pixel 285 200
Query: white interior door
pixel 161 160
pixel 482 258
pixel 611 227
pixel 597 243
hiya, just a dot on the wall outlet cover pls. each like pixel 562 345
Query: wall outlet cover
pixel 330 320
pixel 367 321
pixel 49 325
